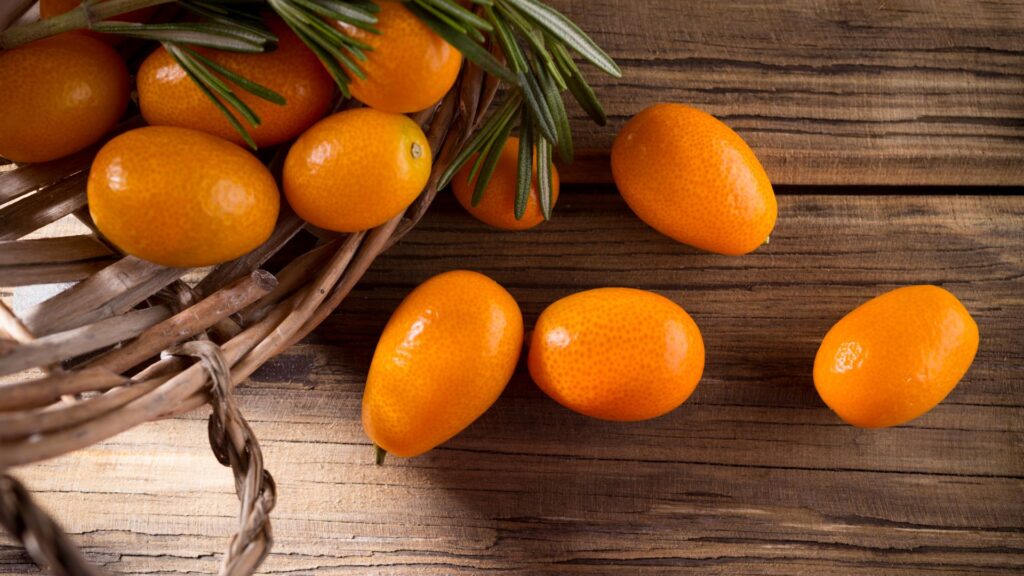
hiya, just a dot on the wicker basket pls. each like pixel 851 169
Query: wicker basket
pixel 134 341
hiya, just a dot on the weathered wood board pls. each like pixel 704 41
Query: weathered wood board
pixel 753 475
pixel 826 92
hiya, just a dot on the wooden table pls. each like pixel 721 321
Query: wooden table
pixel 895 130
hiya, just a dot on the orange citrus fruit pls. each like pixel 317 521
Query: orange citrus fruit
pixel 896 356
pixel 408 68
pixel 180 197
pixel 169 97
pixel 51 8
pixel 356 169
pixel 690 177
pixel 617 353
pixel 444 357
pixel 497 207
pixel 59 95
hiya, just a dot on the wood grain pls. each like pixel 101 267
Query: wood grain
pixel 753 475
pixel 900 92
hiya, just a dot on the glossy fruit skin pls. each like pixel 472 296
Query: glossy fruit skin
pixel 617 353
pixel 180 197
pixel 497 207
pixel 356 169
pixel 59 95
pixel 443 359
pixel 409 68
pixel 896 356
pixel 690 177
pixel 168 97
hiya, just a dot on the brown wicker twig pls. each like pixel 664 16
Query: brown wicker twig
pixel 235 446
pixel 43 538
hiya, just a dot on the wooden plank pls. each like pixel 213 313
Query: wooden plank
pixel 826 92
pixel 752 475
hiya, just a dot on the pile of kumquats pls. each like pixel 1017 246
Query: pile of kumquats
pixel 183 191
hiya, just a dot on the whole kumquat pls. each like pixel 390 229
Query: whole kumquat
pixel 408 66
pixel 690 177
pixel 59 95
pixel 169 97
pixel 896 356
pixel 617 353
pixel 497 206
pixel 356 169
pixel 180 197
pixel 444 357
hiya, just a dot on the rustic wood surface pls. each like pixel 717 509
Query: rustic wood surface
pixel 826 91
pixel 753 475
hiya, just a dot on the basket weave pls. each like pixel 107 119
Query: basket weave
pixel 133 342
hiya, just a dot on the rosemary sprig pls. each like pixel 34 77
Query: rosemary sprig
pixel 537 42
pixel 201 70
pixel 455 34
pixel 526 44
pixel 337 51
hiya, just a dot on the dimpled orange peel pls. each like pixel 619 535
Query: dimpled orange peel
pixel 444 357
pixel 356 169
pixel 497 206
pixel 617 353
pixel 180 197
pixel 896 356
pixel 690 177
pixel 59 95
pixel 408 67
pixel 169 97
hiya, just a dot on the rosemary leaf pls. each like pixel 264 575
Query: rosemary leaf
pixel 578 85
pixel 231 17
pixel 494 133
pixel 538 105
pixel 445 18
pixel 544 172
pixel 493 155
pixel 209 34
pixel 242 82
pixel 501 115
pixel 526 28
pixel 346 12
pixel 474 52
pixel 561 27
pixel 299 26
pixel 556 105
pixel 177 54
pixel 509 47
pixel 456 11
pixel 524 170
pixel 215 84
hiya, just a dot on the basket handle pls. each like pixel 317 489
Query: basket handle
pixel 234 445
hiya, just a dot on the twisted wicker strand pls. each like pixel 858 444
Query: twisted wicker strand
pixel 235 445
pixel 42 537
